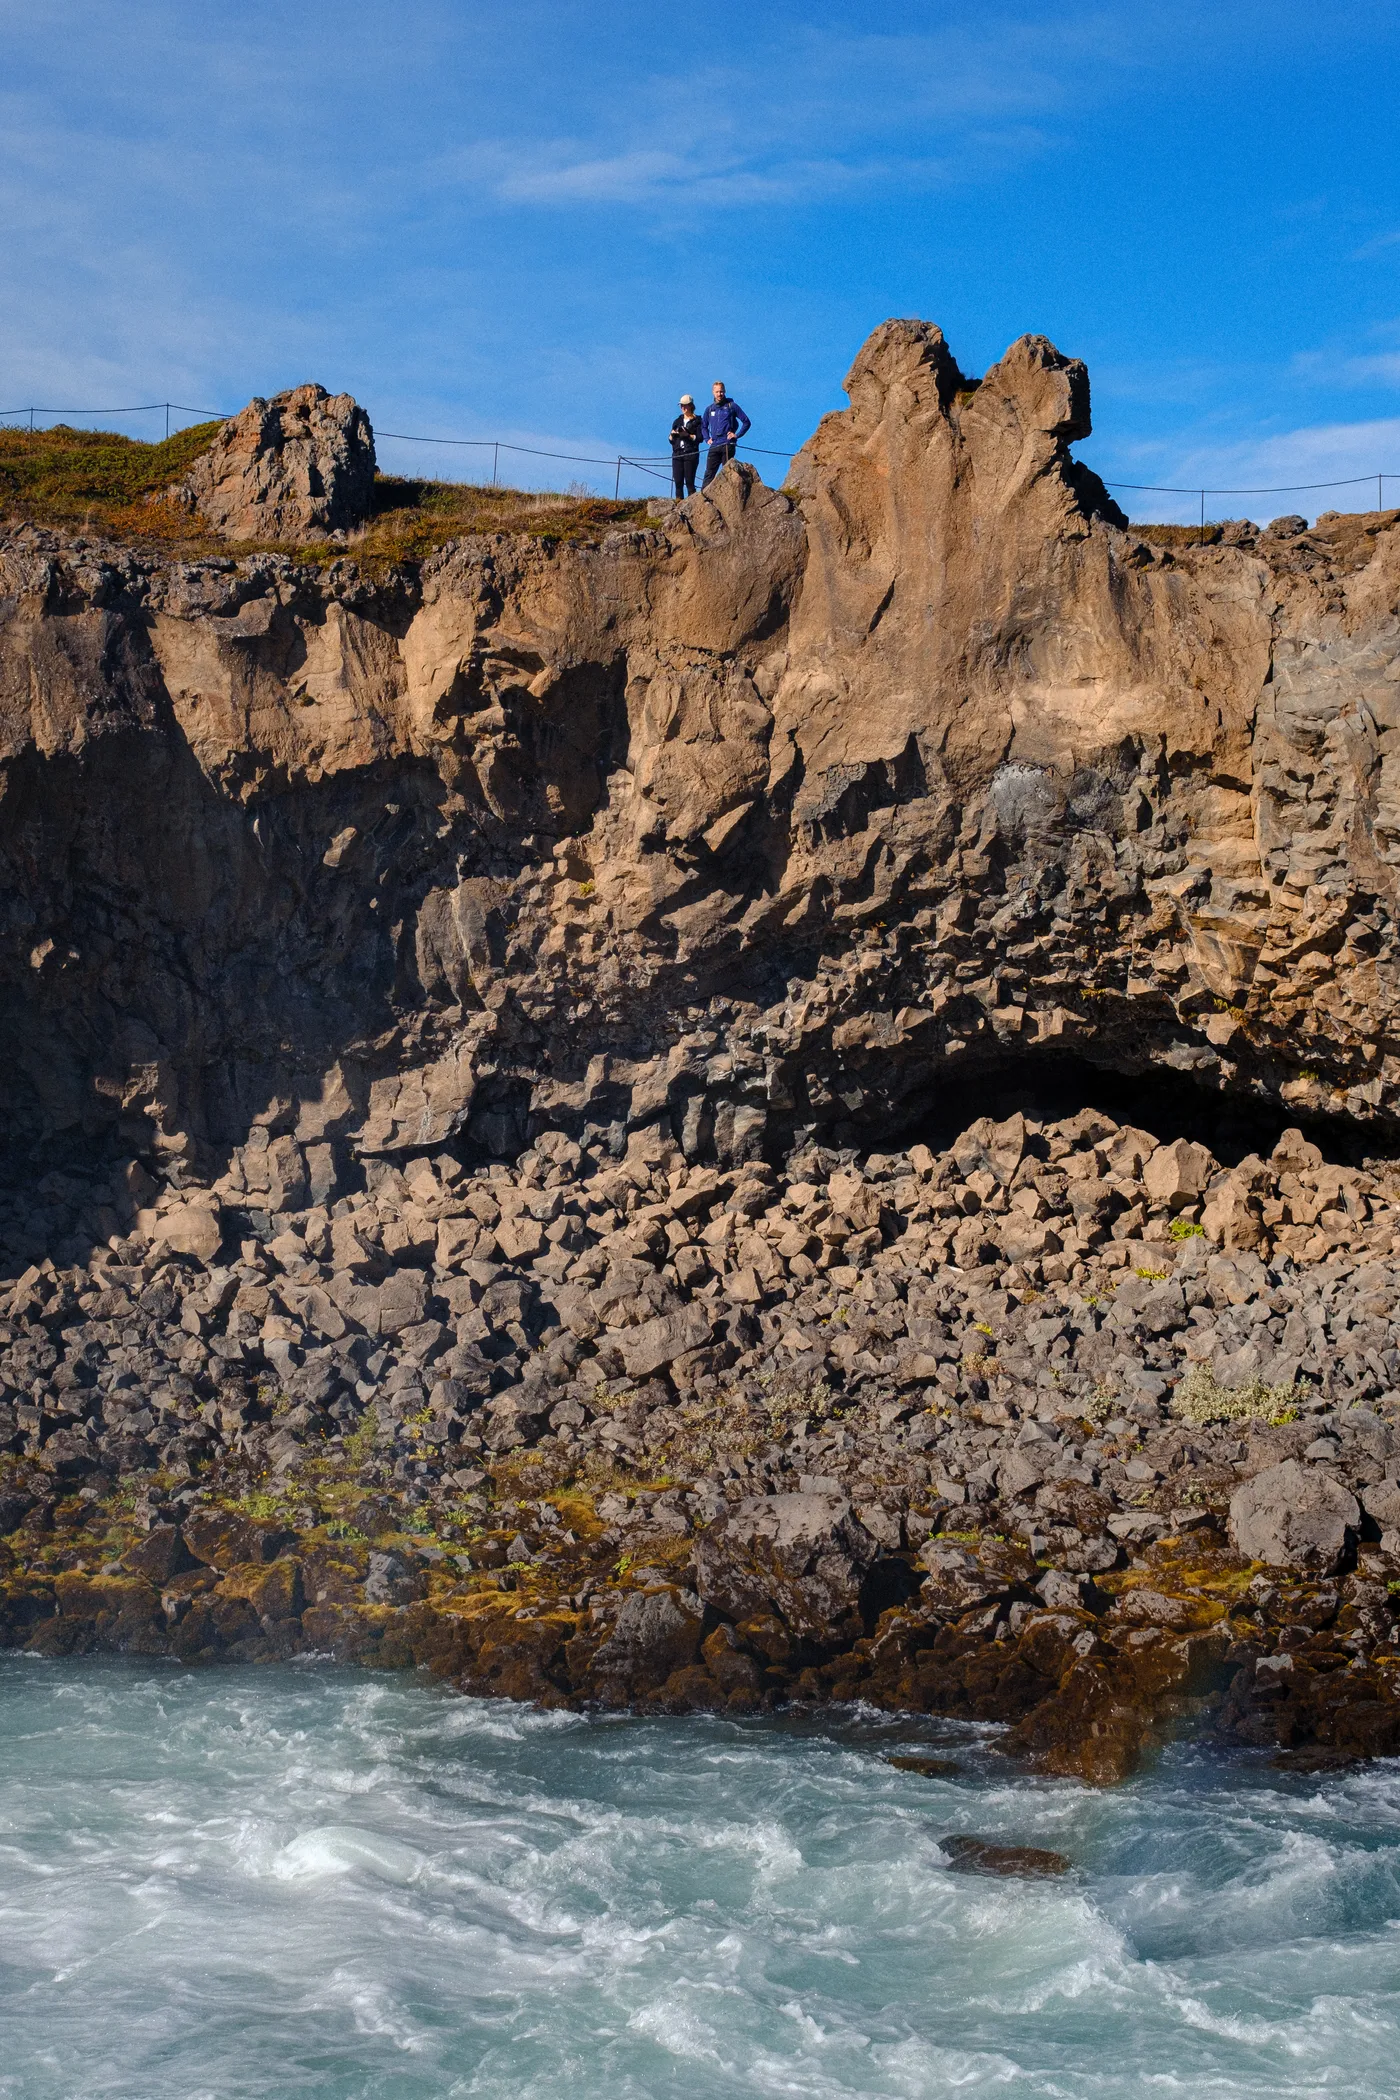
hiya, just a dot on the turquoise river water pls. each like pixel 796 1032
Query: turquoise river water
pixel 312 1881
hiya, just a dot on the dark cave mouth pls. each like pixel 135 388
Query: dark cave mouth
pixel 1050 1087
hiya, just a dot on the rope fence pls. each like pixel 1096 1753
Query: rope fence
pixel 649 463
pixel 644 463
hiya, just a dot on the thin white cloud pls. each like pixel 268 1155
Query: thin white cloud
pixel 644 177
pixel 814 116
pixel 1324 466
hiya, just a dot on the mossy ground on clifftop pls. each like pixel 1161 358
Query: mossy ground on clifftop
pixel 97 481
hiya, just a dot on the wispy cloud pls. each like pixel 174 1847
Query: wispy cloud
pixel 1379 363
pixel 1323 466
pixel 811 116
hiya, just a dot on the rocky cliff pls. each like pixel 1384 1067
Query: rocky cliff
pixel 349 918
pixel 921 762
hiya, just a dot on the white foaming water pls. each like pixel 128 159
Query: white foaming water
pixel 310 1881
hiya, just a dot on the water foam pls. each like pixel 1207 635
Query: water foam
pixel 266 1882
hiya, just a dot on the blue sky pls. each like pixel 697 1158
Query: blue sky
pixel 539 222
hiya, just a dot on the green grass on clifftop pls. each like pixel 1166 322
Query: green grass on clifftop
pixel 99 483
pixel 90 480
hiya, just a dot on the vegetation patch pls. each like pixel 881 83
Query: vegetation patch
pixel 97 481
pixel 1200 1397
pixel 105 485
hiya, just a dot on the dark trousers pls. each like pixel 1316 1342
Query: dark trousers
pixel 717 457
pixel 683 465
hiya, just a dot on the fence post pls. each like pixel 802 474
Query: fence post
pixel 1380 502
pixel 617 480
pixel 31 419
pixel 495 461
pixel 167 420
pixel 1203 517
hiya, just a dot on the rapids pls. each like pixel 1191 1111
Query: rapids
pixel 268 1882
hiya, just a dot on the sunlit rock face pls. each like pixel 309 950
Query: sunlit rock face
pixel 296 466
pixel 764 824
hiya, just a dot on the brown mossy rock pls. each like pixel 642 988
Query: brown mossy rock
pixel 1310 1699
pixel 656 1632
pixel 289 468
pixel 805 1557
pixel 963 1575
pixel 1110 1709
pixel 24 1603
pixel 223 1539
pixel 161 1554
pixel 118 1613
pixel 274 1589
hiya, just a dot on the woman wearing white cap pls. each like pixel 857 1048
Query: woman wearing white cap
pixel 685 447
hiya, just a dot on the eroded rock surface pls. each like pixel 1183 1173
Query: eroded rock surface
pixel 292 468
pixel 472 1033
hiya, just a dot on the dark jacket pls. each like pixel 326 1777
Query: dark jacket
pixel 685 436
pixel 724 422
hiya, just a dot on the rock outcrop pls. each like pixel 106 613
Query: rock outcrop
pixel 493 1036
pixel 293 468
pixel 921 763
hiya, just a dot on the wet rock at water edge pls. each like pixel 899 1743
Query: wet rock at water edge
pixel 975 1855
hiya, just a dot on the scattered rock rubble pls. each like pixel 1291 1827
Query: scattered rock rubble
pixel 1061 1427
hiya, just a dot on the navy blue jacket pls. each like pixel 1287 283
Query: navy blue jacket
pixel 724 422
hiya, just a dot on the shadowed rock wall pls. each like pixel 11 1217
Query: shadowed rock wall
pixel 770 822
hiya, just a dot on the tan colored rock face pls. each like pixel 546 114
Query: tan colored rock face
pixel 286 469
pixel 921 764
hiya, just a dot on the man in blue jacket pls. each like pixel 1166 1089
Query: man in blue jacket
pixel 723 423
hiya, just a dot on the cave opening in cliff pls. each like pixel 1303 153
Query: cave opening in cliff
pixel 1168 1105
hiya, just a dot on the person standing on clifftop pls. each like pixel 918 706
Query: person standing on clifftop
pixel 724 423
pixel 686 432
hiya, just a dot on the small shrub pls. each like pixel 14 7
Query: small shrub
pixel 1152 1275
pixel 359 1445
pixel 1200 1397
pixel 264 1509
pixel 1185 1229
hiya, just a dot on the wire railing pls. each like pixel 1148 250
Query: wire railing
pixel 646 463
pixel 656 466
pixel 1287 488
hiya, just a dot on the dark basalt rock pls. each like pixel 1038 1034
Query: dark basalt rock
pixel 974 1855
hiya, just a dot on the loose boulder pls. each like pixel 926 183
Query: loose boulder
pixel 805 1556
pixel 298 464
pixel 193 1229
pixel 657 1631
pixel 1294 1516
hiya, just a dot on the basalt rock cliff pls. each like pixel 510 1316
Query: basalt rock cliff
pixel 922 762
pixel 488 1016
